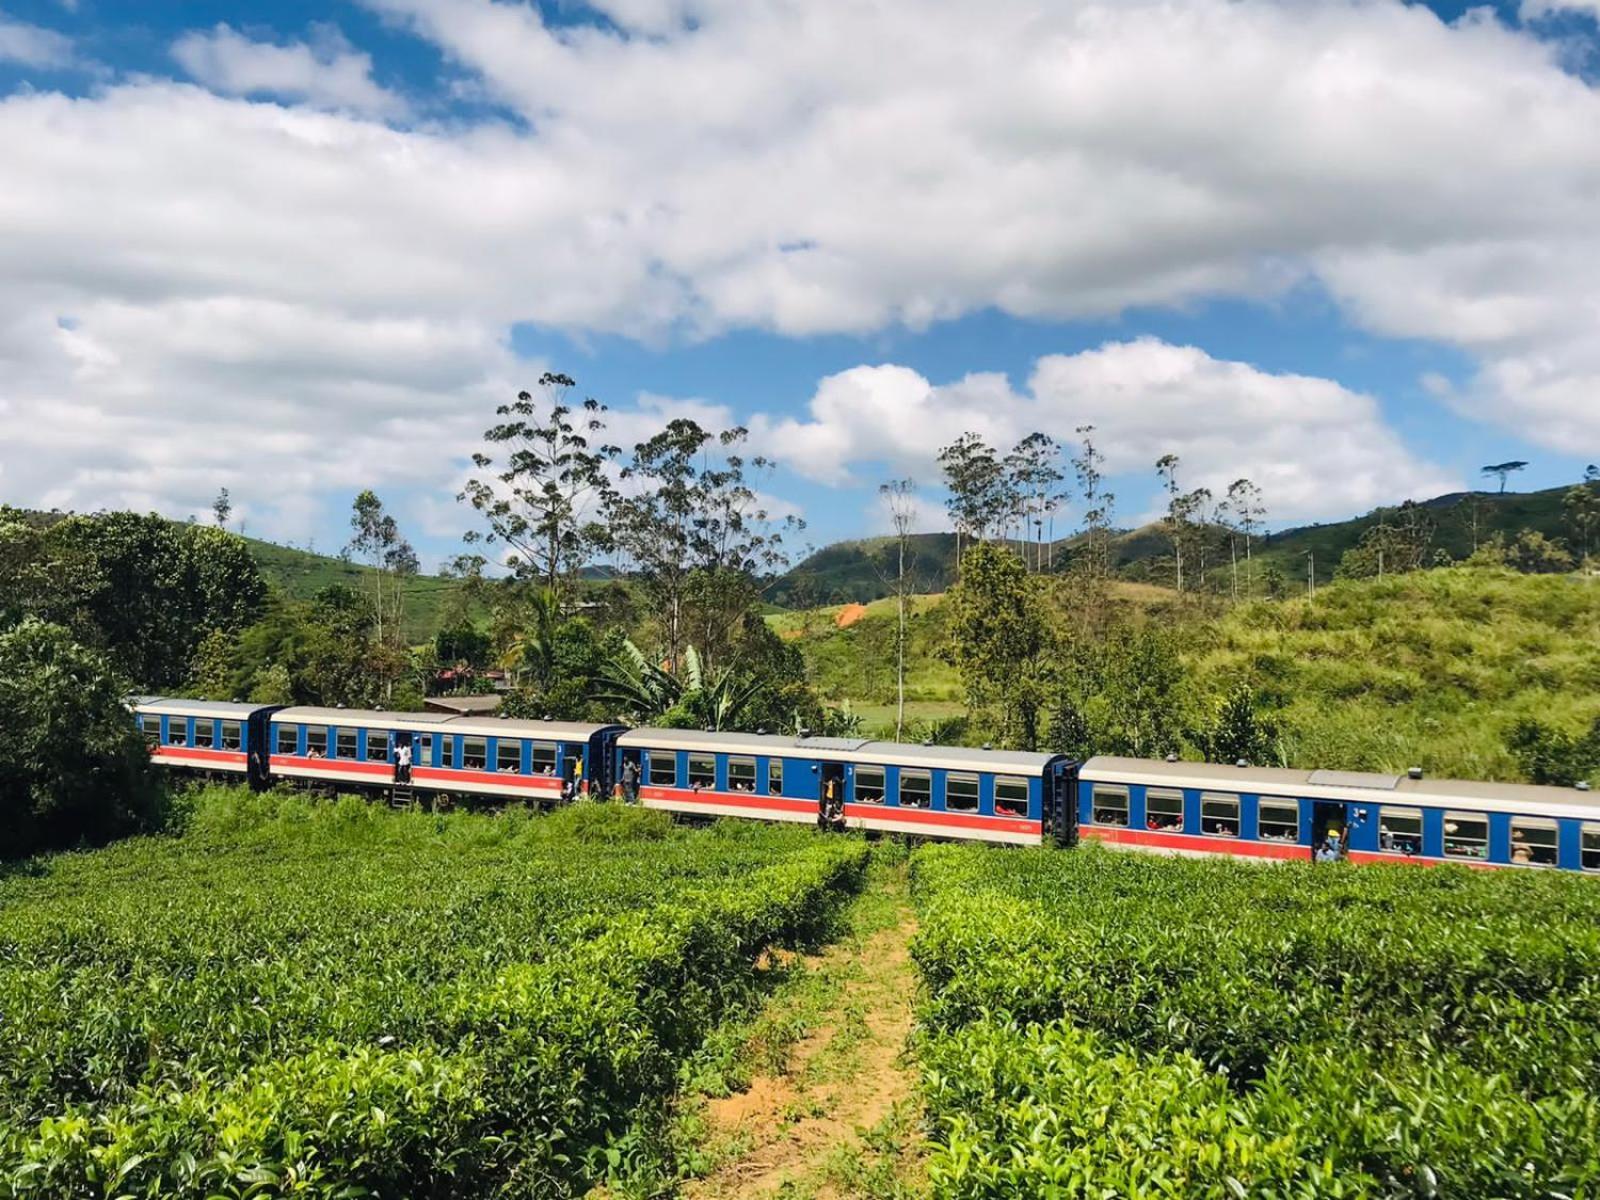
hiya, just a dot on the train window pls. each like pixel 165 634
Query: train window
pixel 344 743
pixel 775 777
pixel 205 733
pixel 544 758
pixel 1399 830
pixel 152 730
pixel 869 785
pixel 741 774
pixel 1109 805
pixel 1533 841
pixel 1219 814
pixel 316 741
pixel 916 789
pixel 1163 809
pixel 702 771
pixel 508 756
pixel 1278 820
pixel 1589 846
pixel 1010 797
pixel 177 731
pixel 422 749
pixel 232 735
pixel 377 746
pixel 1466 835
pixel 474 754
pixel 961 793
pixel 663 768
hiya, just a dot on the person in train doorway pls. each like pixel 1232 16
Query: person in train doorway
pixel 630 781
pixel 830 813
pixel 570 785
pixel 1328 852
pixel 402 762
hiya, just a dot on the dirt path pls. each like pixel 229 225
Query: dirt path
pixel 831 1111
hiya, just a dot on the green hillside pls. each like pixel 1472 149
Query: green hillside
pixel 1426 669
pixel 860 571
pixel 303 573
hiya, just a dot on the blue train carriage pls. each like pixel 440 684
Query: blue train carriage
pixel 1263 812
pixel 930 791
pixel 205 736
pixel 468 756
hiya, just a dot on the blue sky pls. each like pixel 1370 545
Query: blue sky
pixel 1346 249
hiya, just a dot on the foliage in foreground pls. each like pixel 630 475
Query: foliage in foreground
pixel 1104 1024
pixel 320 999
pixel 73 768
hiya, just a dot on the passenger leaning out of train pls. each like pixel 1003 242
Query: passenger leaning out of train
pixel 402 763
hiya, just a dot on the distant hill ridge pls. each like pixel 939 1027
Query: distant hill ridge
pixel 859 570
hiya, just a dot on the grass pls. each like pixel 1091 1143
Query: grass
pixel 1427 669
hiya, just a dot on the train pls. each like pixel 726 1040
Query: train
pixel 944 792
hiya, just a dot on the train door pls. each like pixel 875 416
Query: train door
pixel 1329 817
pixel 571 770
pixel 631 772
pixel 830 796
pixel 1060 808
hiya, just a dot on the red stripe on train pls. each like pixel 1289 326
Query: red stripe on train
pixel 384 772
pixel 788 804
pixel 187 755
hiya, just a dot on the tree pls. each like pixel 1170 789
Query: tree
pixel 377 538
pixel 1591 475
pixel 1249 513
pixel 1069 732
pixel 222 508
pixel 1550 755
pixel 1581 506
pixel 1502 470
pixel 1000 641
pixel 1182 523
pixel 73 768
pixel 1396 543
pixel 543 501
pixel 976 481
pixel 900 496
pixel 696 534
pixel 1033 478
pixel 1098 504
pixel 1234 730
pixel 1130 685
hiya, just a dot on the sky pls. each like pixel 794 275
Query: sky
pixel 1347 249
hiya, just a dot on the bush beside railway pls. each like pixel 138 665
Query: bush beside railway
pixel 314 1000
pixel 1104 1024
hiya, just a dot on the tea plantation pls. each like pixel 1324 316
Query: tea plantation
pixel 1099 1024
pixel 335 1000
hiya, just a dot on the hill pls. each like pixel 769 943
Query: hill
pixel 861 570
pixel 303 573
pixel 1426 669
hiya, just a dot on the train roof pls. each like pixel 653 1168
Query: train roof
pixel 445 722
pixel 178 707
pixel 851 750
pixel 1372 787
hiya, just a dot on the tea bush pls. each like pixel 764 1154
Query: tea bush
pixel 1112 1024
pixel 335 1000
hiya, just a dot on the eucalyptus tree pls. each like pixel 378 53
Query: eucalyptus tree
pixel 1249 510
pixel 977 482
pixel 1034 477
pixel 900 496
pixel 543 493
pixel 1088 466
pixel 376 538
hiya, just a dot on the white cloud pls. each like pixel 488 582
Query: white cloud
pixel 713 165
pixel 33 45
pixel 328 74
pixel 1313 446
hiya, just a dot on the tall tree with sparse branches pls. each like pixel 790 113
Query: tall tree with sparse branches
pixel 548 482
pixel 1089 466
pixel 976 479
pixel 900 496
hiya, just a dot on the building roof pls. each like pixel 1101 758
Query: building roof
pixel 851 750
pixel 1356 786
